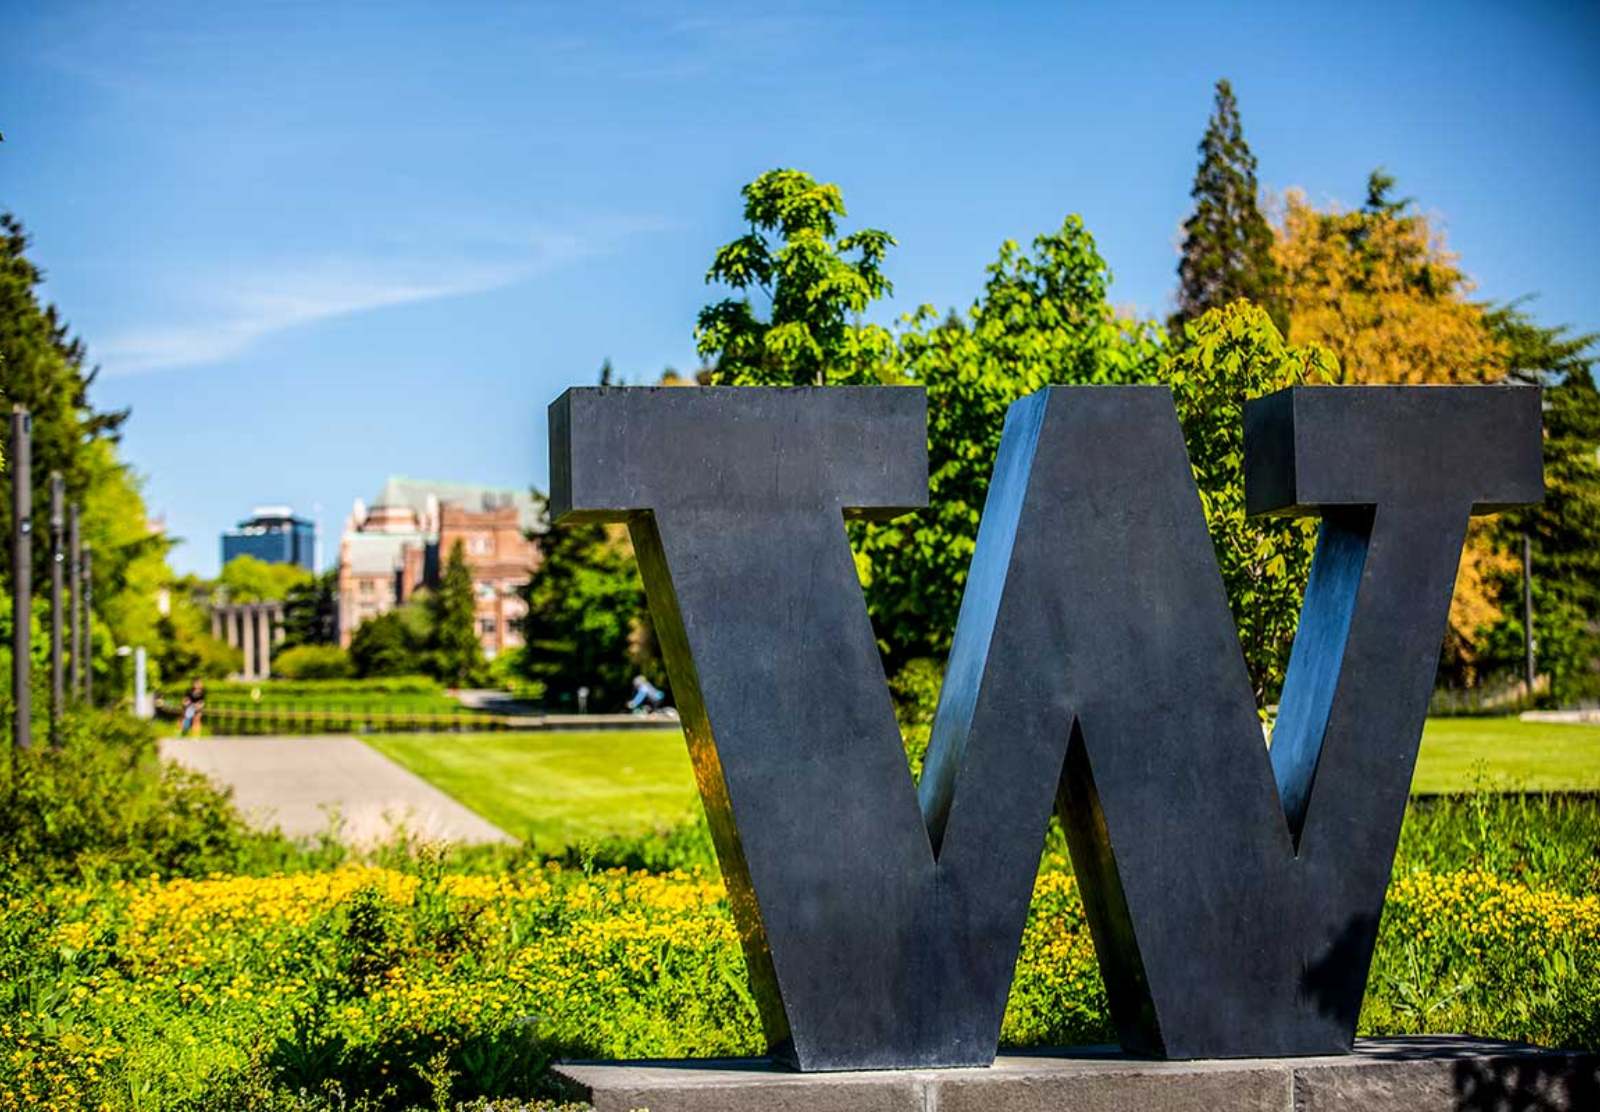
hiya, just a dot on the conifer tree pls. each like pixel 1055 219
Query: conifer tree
pixel 1227 243
pixel 1565 527
pixel 458 656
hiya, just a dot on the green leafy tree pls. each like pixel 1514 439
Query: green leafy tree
pixel 587 623
pixel 1043 319
pixel 45 368
pixel 249 579
pixel 457 652
pixel 1227 242
pixel 816 284
pixel 394 643
pixel 311 611
pixel 1565 528
pixel 185 650
pixel 1230 355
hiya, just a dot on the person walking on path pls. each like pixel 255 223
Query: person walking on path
pixel 194 704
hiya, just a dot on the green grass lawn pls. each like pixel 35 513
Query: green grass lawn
pixel 564 788
pixel 561 788
pixel 1510 755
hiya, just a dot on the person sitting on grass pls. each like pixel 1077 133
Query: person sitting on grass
pixel 194 702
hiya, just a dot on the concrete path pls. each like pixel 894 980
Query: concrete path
pixel 299 784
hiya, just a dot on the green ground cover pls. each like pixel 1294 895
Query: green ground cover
pixel 1506 754
pixel 566 788
pixel 317 706
pixel 402 702
pixel 558 787
pixel 157 954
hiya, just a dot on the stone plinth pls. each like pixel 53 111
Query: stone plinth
pixel 1416 1074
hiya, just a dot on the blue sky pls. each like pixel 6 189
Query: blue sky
pixel 315 244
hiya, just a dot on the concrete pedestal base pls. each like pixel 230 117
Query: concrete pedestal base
pixel 1418 1074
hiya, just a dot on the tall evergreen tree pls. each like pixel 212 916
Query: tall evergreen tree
pixel 1227 243
pixel 458 655
pixel 311 611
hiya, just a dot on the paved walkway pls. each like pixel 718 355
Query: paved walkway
pixel 300 783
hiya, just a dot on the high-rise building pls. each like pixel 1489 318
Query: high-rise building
pixel 273 534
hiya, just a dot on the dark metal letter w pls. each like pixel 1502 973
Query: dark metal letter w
pixel 1233 894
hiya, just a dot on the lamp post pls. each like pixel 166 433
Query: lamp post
pixel 21 575
pixel 123 653
pixel 1530 662
pixel 57 522
pixel 88 627
pixel 75 572
pixel 141 693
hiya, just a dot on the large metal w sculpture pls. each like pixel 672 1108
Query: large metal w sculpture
pixel 1233 893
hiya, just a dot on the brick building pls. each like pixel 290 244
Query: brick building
pixel 399 544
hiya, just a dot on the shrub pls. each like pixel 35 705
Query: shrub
pixel 916 691
pixel 321 688
pixel 410 984
pixel 104 805
pixel 388 645
pixel 313 662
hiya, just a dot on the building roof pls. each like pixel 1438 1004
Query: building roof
pixel 377 553
pixel 414 493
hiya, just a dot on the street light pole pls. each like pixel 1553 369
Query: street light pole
pixel 57 521
pixel 88 627
pixel 75 571
pixel 21 576
pixel 1529 661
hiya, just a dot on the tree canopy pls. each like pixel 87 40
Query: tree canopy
pixel 1228 356
pixel 1227 242
pixel 1565 528
pixel 587 623
pixel 816 283
pixel 1378 287
pixel 44 368
pixel 1043 318
pixel 250 579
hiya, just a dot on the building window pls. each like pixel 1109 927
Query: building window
pixel 480 545
pixel 486 626
pixel 483 589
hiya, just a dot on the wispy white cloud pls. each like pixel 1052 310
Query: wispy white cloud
pixel 222 316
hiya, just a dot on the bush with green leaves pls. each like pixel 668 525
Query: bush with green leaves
pixel 1227 357
pixel 313 662
pixel 103 805
pixel 395 643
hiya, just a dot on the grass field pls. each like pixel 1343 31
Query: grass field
pixel 563 788
pixel 1508 755
pixel 559 788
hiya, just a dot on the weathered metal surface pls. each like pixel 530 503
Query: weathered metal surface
pixel 1095 667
